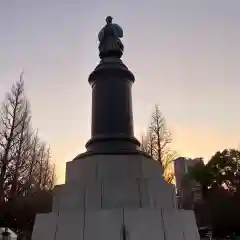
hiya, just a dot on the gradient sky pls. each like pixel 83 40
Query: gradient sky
pixel 185 55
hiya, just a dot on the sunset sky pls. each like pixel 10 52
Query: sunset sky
pixel 185 55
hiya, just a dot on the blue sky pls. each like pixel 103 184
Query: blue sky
pixel 184 54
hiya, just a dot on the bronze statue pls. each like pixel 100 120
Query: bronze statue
pixel 110 44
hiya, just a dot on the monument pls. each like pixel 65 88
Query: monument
pixel 114 190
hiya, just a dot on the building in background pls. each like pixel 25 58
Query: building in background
pixel 188 193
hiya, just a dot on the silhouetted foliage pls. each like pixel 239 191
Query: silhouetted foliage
pixel 220 181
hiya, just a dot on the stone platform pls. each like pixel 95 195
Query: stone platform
pixel 115 197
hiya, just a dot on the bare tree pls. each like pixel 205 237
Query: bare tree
pixel 25 162
pixel 41 173
pixel 21 154
pixel 12 116
pixel 27 172
pixel 49 174
pixel 157 143
pixel 45 169
pixel 27 178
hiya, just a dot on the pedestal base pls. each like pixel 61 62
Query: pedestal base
pixel 115 197
pixel 138 224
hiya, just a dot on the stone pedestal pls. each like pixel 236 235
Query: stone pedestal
pixel 115 197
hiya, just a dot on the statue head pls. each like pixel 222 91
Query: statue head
pixel 109 19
